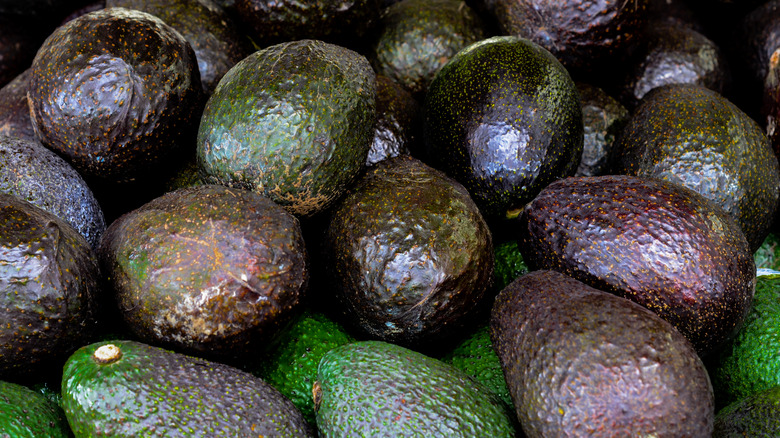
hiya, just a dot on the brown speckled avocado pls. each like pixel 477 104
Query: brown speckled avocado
pixel 115 92
pixel 209 269
pixel 654 242
pixel 692 136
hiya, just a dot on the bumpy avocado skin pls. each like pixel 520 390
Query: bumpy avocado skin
pixel 25 413
pixel 49 284
pixel 755 415
pixel 503 118
pixel 582 362
pixel 38 175
pixel 14 112
pixel 398 128
pixel 409 254
pixel 293 121
pixel 153 392
pixel 377 389
pixel 654 242
pixel 116 92
pixel 209 269
pixel 690 135
pixel 603 118
pixel 217 43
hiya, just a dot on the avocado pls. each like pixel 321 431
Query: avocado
pixel 749 363
pixel 208 269
pixel 654 242
pixel 216 40
pixel 14 112
pixel 603 117
pixel 398 128
pixel 768 254
pixel 49 285
pixel 693 136
pixel 378 389
pixel 38 175
pixel 291 366
pixel 755 415
pixel 503 118
pixel 293 121
pixel 583 362
pixel 130 389
pixel 409 254
pixel 25 413
pixel 415 38
pixel 509 264
pixel 116 92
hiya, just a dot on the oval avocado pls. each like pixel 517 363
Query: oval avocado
pixel 25 413
pixel 583 362
pixel 409 254
pixel 293 121
pixel 654 242
pixel 503 118
pixel 208 269
pixel 692 136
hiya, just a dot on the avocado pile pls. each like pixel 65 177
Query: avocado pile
pixel 389 218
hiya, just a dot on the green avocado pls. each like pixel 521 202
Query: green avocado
pixel 503 118
pixel 638 237
pixel 693 136
pixel 579 361
pixel 373 389
pixel 25 413
pixel 208 269
pixel 756 415
pixel 126 389
pixel 293 121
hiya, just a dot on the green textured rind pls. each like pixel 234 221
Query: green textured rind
pixel 377 389
pixel 409 252
pixel 292 365
pixel 151 392
pixel 767 256
pixel 693 136
pixel 49 280
pixel 503 117
pixel 25 413
pixel 417 37
pixel 582 362
pixel 477 358
pixel 293 121
pixel 208 269
pixel 756 415
pixel 750 363
pixel 509 264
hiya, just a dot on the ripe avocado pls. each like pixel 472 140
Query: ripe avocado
pixel 378 389
pixel 116 92
pixel 126 389
pixel 14 111
pixel 417 37
pixel 603 117
pixel 398 128
pixel 692 136
pixel 49 279
pixel 582 362
pixel 293 121
pixel 207 269
pixel 503 117
pixel 409 254
pixel 654 242
pixel 25 413
pixel 755 415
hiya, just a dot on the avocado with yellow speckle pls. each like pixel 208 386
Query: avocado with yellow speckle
pixel 130 389
pixel 503 118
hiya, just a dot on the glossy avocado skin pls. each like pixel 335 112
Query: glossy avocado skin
pixel 409 254
pixel 25 413
pixel 299 133
pixel 504 119
pixel 398 128
pixel 49 286
pixel 153 392
pixel 582 362
pixel 116 92
pixel 690 135
pixel 14 112
pixel 603 118
pixel 208 269
pixel 378 389
pixel 654 242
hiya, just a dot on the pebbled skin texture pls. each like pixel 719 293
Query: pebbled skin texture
pixel 152 392
pixel 582 362
pixel 25 413
pixel 656 243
